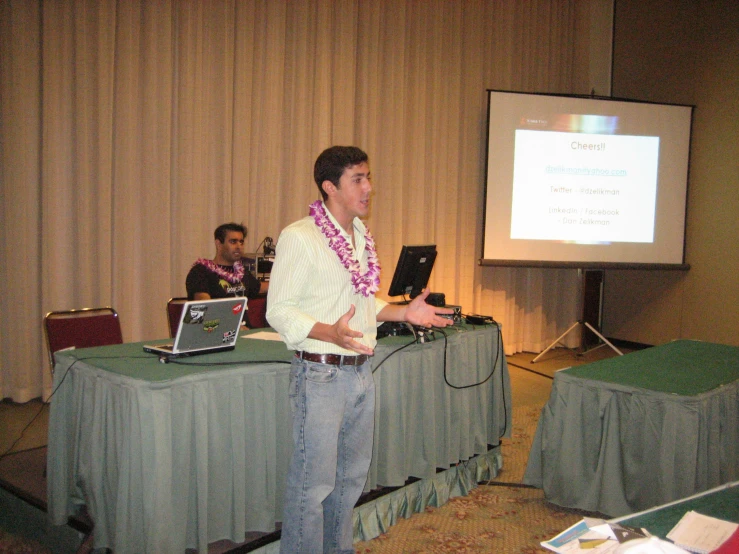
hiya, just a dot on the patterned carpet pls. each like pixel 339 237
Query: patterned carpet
pixel 501 516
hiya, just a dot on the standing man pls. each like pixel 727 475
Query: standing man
pixel 224 275
pixel 322 302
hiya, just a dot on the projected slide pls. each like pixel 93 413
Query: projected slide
pixel 584 188
pixel 585 182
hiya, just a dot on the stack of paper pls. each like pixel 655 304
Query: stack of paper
pixel 701 534
pixel 594 536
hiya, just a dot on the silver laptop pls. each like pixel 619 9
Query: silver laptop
pixel 205 326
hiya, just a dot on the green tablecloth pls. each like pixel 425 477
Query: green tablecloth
pixel 683 367
pixel 174 456
pixel 628 433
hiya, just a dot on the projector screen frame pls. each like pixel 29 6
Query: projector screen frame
pixel 582 263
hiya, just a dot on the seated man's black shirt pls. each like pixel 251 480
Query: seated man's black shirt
pixel 201 279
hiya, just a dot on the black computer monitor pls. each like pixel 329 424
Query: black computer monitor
pixel 413 270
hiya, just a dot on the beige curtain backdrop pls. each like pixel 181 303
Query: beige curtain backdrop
pixel 131 129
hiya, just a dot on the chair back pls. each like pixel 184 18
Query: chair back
pixel 81 329
pixel 256 308
pixel 174 311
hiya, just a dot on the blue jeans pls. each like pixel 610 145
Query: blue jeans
pixel 333 424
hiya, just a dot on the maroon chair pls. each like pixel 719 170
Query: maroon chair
pixel 256 308
pixel 81 329
pixel 174 311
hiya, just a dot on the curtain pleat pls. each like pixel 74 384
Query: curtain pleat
pixel 131 129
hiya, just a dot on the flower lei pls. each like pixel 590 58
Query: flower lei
pixel 366 284
pixel 232 277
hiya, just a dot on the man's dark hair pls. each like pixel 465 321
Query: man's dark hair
pixel 332 162
pixel 221 230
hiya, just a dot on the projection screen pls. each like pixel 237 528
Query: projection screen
pixel 585 182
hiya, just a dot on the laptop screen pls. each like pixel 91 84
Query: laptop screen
pixel 208 324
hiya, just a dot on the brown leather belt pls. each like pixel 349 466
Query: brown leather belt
pixel 332 359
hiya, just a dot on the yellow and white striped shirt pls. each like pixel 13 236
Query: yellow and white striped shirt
pixel 309 284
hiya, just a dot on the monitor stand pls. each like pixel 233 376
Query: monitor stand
pixel 437 299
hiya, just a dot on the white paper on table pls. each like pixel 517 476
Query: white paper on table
pixel 568 541
pixel 699 533
pixel 604 529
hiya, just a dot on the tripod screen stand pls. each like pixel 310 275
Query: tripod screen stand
pixel 592 301
pixel 593 329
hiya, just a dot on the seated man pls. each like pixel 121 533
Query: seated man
pixel 224 275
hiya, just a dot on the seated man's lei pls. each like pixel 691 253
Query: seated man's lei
pixel 234 277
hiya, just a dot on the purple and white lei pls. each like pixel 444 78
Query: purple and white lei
pixel 233 278
pixel 366 284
